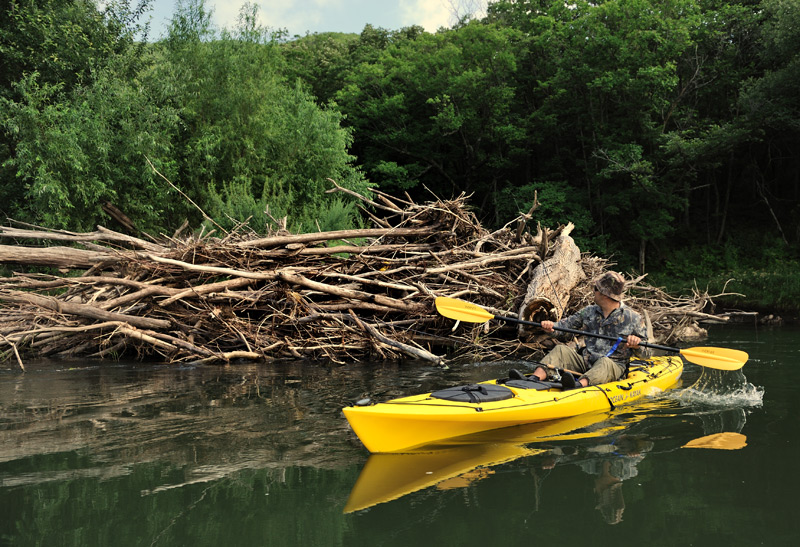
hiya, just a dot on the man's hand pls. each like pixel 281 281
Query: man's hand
pixel 547 326
pixel 632 341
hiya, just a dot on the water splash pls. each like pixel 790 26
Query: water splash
pixel 725 389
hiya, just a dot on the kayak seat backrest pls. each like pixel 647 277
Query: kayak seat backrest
pixel 532 384
pixel 474 393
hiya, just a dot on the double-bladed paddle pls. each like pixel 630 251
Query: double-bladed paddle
pixel 719 358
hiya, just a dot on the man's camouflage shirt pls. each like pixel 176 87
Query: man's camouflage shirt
pixel 620 323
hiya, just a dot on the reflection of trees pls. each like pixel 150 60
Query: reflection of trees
pixel 249 507
pixel 120 415
pixel 124 455
pixel 115 454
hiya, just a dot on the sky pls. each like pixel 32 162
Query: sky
pixel 302 16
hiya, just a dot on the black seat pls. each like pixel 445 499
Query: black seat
pixel 532 383
pixel 515 374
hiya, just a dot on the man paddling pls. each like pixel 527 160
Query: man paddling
pixel 601 360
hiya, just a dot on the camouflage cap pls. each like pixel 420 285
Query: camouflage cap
pixel 611 284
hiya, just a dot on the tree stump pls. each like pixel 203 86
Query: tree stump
pixel 552 282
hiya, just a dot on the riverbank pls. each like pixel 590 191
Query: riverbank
pixel 772 290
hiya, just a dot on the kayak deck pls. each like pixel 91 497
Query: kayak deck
pixel 410 422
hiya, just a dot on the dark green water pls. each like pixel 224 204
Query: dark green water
pixel 261 455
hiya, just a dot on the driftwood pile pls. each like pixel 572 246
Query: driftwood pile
pixel 338 296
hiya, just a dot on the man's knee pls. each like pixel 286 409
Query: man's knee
pixel 603 371
pixel 561 352
pixel 563 356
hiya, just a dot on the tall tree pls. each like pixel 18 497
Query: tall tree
pixel 249 141
pixel 771 105
pixel 438 110
pixel 72 113
pixel 210 110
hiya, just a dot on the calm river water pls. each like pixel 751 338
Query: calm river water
pixel 128 454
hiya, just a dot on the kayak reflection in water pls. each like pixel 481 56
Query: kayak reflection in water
pixel 617 463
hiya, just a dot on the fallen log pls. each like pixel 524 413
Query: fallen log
pixel 350 294
pixel 276 241
pixel 269 276
pixel 82 310
pixel 102 234
pixel 552 282
pixel 419 353
pixel 57 257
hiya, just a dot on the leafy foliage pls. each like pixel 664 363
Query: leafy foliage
pixel 557 206
pixel 654 127
pixel 437 109
pixel 320 61
pixel 77 124
pixel 244 130
pixel 212 111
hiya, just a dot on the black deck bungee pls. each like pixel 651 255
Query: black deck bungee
pixel 532 384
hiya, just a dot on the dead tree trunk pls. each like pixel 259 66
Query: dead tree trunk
pixel 552 282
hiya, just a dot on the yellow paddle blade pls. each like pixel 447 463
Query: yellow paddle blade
pixel 720 358
pixel 719 441
pixel 461 311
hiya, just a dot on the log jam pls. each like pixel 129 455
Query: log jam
pixel 336 296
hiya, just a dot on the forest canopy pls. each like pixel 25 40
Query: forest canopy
pixel 665 131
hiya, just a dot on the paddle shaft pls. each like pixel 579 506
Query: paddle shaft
pixel 584 333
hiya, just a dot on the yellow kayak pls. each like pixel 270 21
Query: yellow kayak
pixel 401 425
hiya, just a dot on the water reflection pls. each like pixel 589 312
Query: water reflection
pixel 149 455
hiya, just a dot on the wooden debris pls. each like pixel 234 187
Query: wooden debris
pixel 202 299
pixel 552 281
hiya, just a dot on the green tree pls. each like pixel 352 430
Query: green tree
pixel 63 40
pixel 75 152
pixel 598 80
pixel 248 140
pixel 76 122
pixel 320 61
pixel 438 110
pixel 210 109
pixel 704 137
pixel 770 105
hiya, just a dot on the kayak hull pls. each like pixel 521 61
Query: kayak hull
pixel 408 423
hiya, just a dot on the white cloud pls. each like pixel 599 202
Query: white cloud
pixel 300 16
pixel 295 15
pixel 429 14
pixel 226 12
